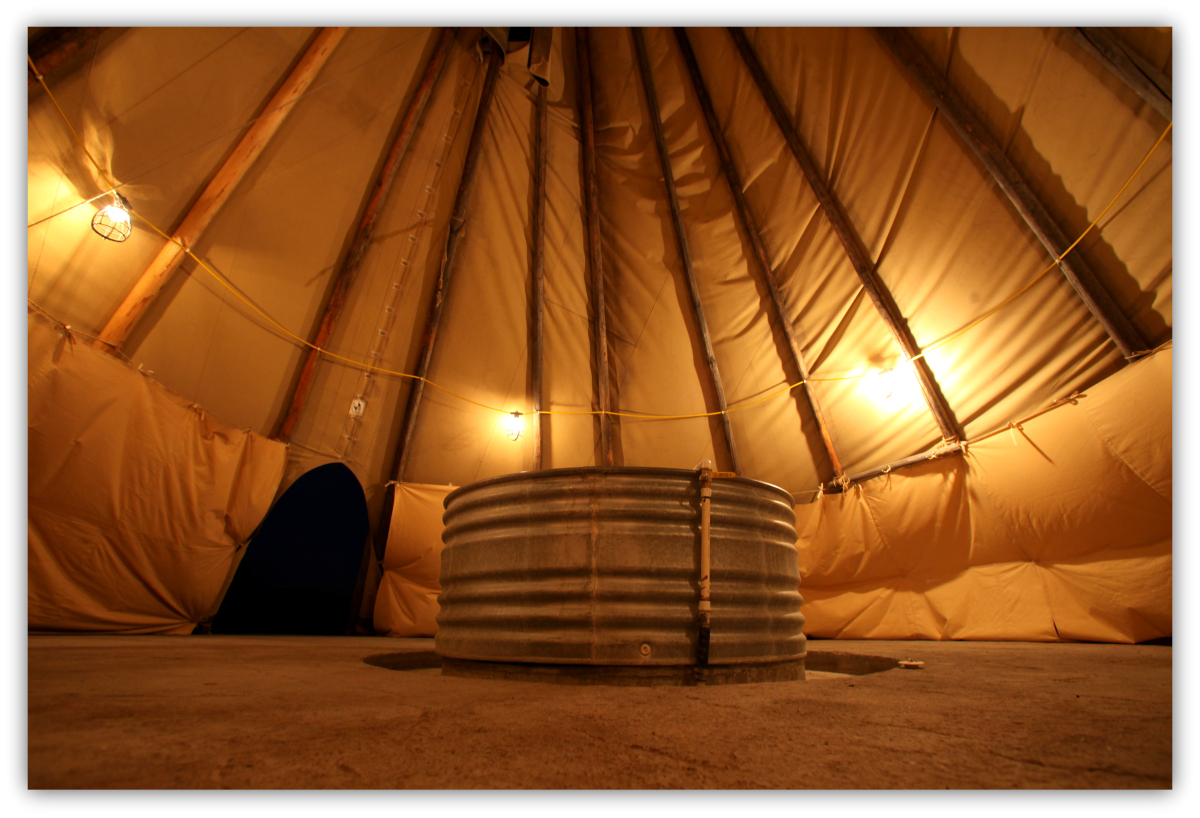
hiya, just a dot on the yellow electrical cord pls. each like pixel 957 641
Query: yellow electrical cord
pixel 646 416
pixel 1056 262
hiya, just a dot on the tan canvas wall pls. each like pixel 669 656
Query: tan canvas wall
pixel 407 600
pixel 1060 528
pixel 138 498
pixel 398 272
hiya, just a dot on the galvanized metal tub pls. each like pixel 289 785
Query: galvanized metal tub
pixel 600 567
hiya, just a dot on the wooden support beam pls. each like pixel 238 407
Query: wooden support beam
pixel 345 275
pixel 953 448
pixel 756 242
pixel 989 151
pixel 876 290
pixel 591 200
pixel 1153 73
pixel 1141 78
pixel 378 545
pixel 52 46
pixel 539 269
pixel 541 42
pixel 219 189
pixel 458 220
pixel 912 460
pixel 639 45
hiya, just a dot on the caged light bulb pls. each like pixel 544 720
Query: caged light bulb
pixel 514 426
pixel 112 222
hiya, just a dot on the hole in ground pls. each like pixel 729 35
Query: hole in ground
pixel 823 664
pixel 850 664
pixel 421 660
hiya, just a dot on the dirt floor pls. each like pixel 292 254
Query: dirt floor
pixel 308 712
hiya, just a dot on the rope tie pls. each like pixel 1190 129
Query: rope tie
pixel 944 447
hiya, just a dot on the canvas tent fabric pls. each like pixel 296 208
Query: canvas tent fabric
pixel 1010 541
pixel 407 601
pixel 138 499
pixel 942 236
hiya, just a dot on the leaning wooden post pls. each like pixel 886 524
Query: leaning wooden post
pixel 972 131
pixel 878 292
pixel 539 266
pixel 1142 78
pixel 685 255
pixel 591 200
pixel 344 277
pixel 756 242
pixel 219 189
pixel 429 338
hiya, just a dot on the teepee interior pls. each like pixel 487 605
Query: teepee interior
pixel 291 287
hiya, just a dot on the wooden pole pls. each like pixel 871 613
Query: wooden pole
pixel 956 448
pixel 972 131
pixel 429 338
pixel 1142 78
pixel 541 42
pixel 595 259
pixel 756 242
pixel 53 46
pixel 1160 80
pixel 219 189
pixel 878 292
pixel 685 255
pixel 912 460
pixel 539 284
pixel 344 277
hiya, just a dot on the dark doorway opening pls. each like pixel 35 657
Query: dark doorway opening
pixel 300 569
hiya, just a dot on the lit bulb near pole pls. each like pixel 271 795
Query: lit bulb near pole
pixel 893 386
pixel 886 385
pixel 112 222
pixel 514 426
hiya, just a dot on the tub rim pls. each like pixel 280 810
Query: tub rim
pixel 589 470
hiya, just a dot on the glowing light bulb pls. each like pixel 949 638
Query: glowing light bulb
pixel 893 386
pixel 886 382
pixel 112 222
pixel 514 426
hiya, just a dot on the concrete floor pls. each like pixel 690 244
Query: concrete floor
pixel 307 712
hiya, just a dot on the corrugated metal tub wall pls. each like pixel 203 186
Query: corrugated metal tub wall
pixel 593 574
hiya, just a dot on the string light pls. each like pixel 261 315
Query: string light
pixel 886 383
pixel 514 426
pixel 112 222
pixel 894 385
